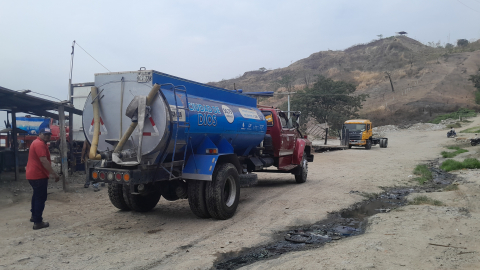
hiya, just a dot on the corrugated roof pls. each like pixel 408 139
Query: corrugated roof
pixel 23 102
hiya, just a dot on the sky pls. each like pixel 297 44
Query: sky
pixel 206 40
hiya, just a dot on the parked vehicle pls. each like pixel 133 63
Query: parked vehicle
pixel 475 141
pixel 360 134
pixel 163 136
pixel 451 134
pixel 32 125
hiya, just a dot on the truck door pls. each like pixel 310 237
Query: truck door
pixel 287 146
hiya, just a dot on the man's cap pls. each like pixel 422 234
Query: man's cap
pixel 45 131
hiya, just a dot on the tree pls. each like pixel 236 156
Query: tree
pixel 380 36
pixel 262 69
pixel 329 101
pixel 287 82
pixel 476 82
pixel 462 42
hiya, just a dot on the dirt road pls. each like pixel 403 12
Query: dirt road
pixel 87 232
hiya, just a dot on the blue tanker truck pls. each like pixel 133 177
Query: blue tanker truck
pixel 157 135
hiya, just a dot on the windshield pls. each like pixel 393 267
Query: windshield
pixel 354 127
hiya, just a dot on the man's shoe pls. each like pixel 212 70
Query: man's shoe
pixel 31 219
pixel 86 185
pixel 95 189
pixel 41 225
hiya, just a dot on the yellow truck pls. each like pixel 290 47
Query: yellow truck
pixel 358 132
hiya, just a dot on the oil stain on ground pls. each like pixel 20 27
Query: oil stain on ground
pixel 337 226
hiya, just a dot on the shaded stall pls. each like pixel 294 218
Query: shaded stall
pixel 21 102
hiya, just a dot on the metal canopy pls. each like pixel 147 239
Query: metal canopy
pixel 19 130
pixel 22 102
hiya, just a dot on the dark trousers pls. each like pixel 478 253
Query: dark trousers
pixel 38 199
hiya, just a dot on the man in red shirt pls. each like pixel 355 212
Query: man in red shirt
pixel 38 170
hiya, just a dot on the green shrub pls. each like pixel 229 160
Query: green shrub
pixel 446 154
pixel 471 130
pixel 463 112
pixel 424 174
pixel 471 163
pixel 452 165
pixel 425 200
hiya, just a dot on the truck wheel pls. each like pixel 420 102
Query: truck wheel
pixel 368 146
pixel 385 143
pixel 248 180
pixel 349 146
pixel 168 190
pixel 301 175
pixel 196 198
pixel 223 192
pixel 115 193
pixel 140 202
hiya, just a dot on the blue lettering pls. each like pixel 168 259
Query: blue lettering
pixel 214 118
pixel 191 106
pixel 209 119
pixel 200 119
pixel 208 109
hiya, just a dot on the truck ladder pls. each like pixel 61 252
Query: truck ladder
pixel 185 125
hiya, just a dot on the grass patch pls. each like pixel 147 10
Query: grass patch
pixel 471 130
pixel 458 151
pixel 424 174
pixel 453 165
pixel 451 188
pixel 463 112
pixel 425 200
pixel 455 125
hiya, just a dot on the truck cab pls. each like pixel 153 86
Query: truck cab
pixel 360 133
pixel 284 142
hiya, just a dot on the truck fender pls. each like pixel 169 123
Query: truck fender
pixel 298 152
pixel 201 167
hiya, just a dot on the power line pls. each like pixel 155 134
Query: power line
pixel 91 56
pixel 468 6
pixel 40 94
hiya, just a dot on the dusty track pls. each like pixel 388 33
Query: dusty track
pixel 87 232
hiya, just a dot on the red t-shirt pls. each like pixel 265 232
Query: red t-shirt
pixel 35 169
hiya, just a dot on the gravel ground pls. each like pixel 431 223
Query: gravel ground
pixel 87 232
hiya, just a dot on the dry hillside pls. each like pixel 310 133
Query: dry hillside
pixel 427 80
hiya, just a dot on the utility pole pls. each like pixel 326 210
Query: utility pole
pixel 70 115
pixel 391 84
pixel 288 102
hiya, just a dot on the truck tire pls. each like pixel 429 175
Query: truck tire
pixel 383 143
pixel 302 172
pixel 196 198
pixel 140 202
pixel 115 193
pixel 349 146
pixel 248 180
pixel 368 146
pixel 223 192
pixel 168 189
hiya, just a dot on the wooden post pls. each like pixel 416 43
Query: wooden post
pixel 326 135
pixel 63 145
pixel 70 141
pixel 15 143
